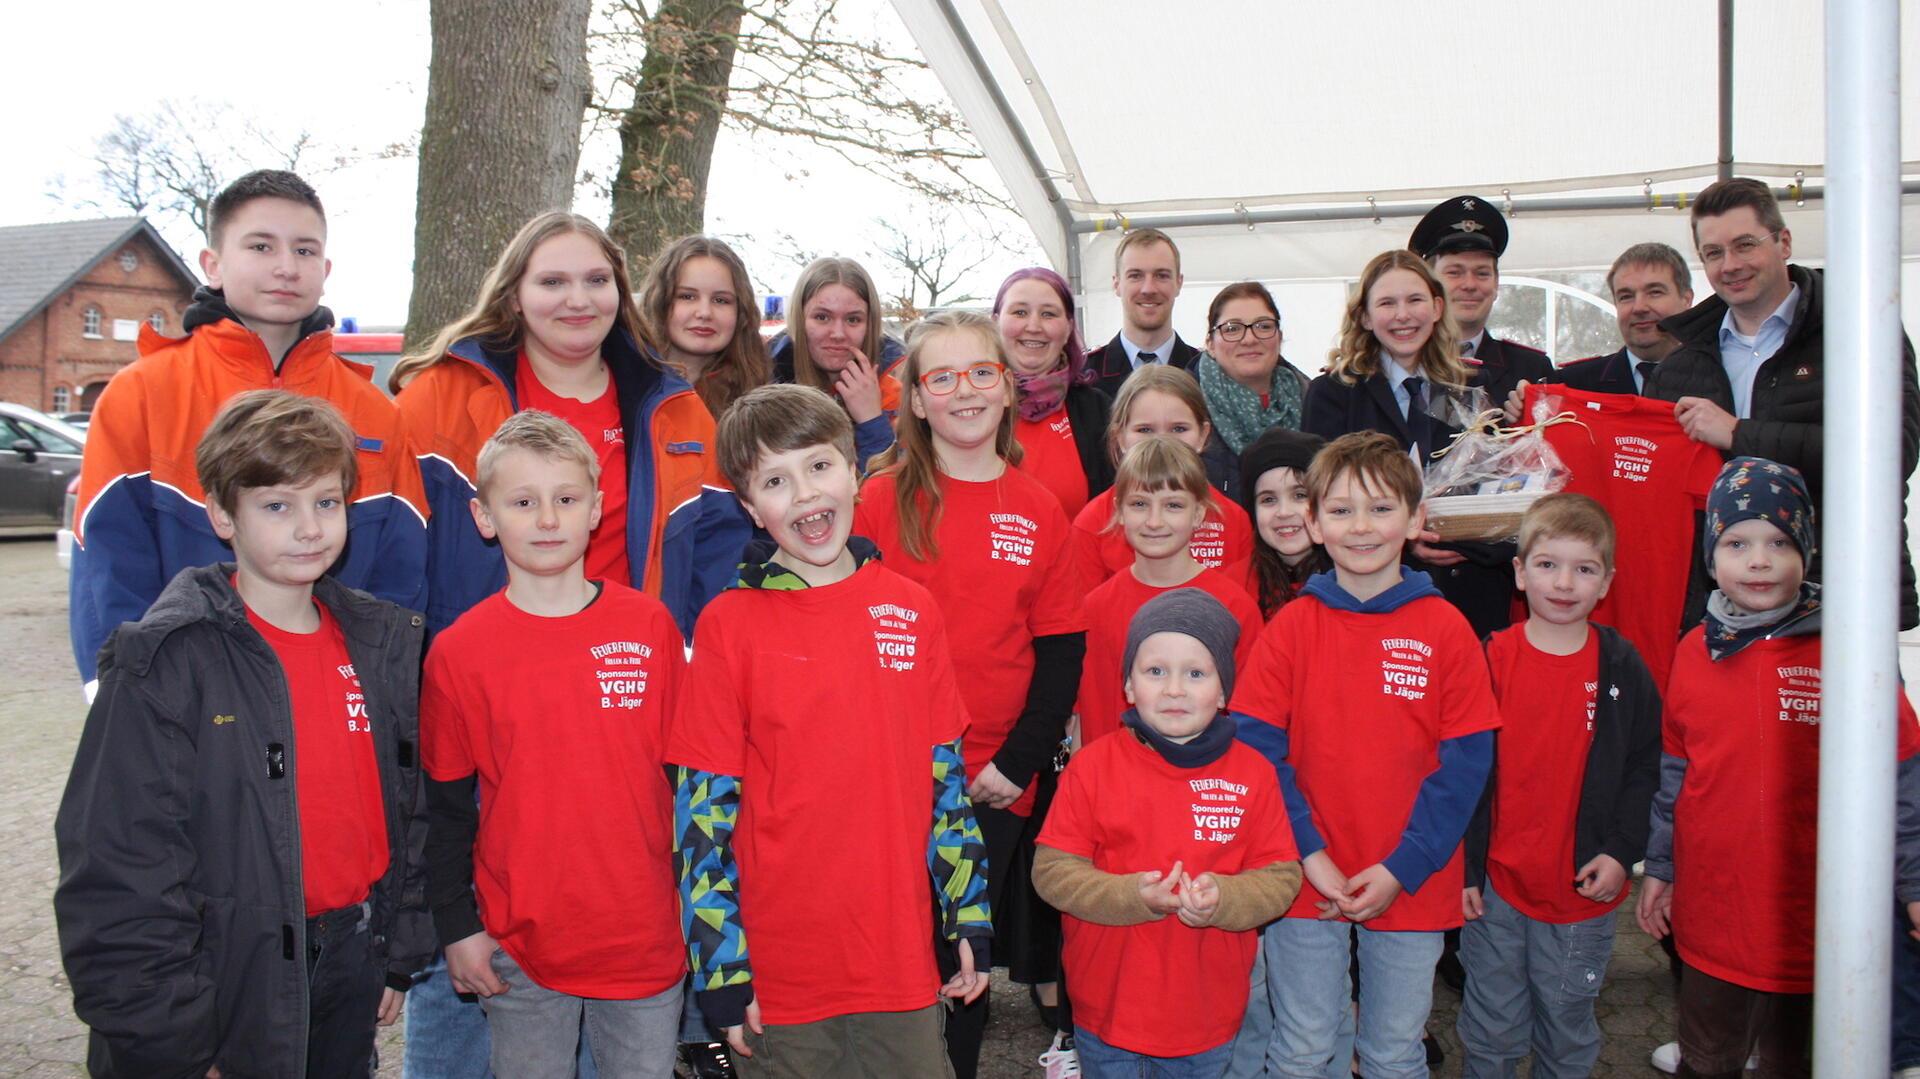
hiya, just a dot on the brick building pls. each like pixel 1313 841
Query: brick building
pixel 72 297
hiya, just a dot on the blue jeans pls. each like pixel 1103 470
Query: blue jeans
pixel 1312 992
pixel 1531 984
pixel 1098 1060
pixel 447 1037
pixel 537 1031
pixel 1254 1046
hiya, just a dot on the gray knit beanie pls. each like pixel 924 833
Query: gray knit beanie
pixel 1195 613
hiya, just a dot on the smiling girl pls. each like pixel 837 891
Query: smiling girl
pixel 699 308
pixel 1274 469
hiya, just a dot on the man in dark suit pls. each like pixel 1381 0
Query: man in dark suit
pixel 1463 239
pixel 1146 277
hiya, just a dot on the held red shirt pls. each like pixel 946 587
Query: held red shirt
pixel 1110 609
pixel 1546 711
pixel 827 703
pixel 1746 823
pixel 564 720
pixel 599 422
pixel 1052 457
pixel 343 822
pixel 1366 700
pixel 1634 459
pixel 1164 988
pixel 1004 575
pixel 1224 540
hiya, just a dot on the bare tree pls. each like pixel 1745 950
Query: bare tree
pixel 935 259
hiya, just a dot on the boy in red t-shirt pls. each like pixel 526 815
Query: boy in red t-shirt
pixel 1370 696
pixel 1166 847
pixel 820 701
pixel 555 895
pixel 241 824
pixel 1576 764
pixel 1735 822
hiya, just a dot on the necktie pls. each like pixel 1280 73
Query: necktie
pixel 1419 424
pixel 1147 358
pixel 1468 348
pixel 1645 367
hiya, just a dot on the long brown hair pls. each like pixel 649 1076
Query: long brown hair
pixel 818 275
pixel 912 459
pixel 493 318
pixel 1357 357
pixel 742 364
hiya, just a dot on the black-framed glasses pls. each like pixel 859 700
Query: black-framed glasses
pixel 980 374
pixel 1742 246
pixel 1263 329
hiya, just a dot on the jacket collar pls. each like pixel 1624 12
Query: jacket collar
pixel 1380 388
pixel 637 377
pixel 212 319
pixel 1414 584
pixel 1699 325
pixel 759 570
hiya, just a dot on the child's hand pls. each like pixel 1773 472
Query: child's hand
pixel 1471 905
pixel 470 966
pixel 1326 879
pixel 859 387
pixel 1655 909
pixel 993 789
pixel 390 1001
pixel 1157 889
pixel 737 1036
pixel 967 984
pixel 1199 900
pixel 1913 915
pixel 1601 879
pixel 213 1072
pixel 1369 893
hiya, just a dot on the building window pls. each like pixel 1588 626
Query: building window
pixel 129 261
pixel 158 320
pixel 62 399
pixel 90 322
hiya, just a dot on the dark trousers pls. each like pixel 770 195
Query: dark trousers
pixel 345 979
pixel 1721 1024
pixel 1906 991
pixel 1000 830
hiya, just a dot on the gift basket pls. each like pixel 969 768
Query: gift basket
pixel 1481 484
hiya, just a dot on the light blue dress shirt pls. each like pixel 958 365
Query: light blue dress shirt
pixel 1161 354
pixel 1742 355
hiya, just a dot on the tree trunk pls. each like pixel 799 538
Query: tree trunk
pixel 667 134
pixel 506 92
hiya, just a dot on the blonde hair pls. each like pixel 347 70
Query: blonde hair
pixel 543 433
pixel 1566 515
pixel 1357 357
pixel 1154 378
pixel 1161 463
pixel 742 363
pixel 778 418
pixel 1375 461
pixel 1142 238
pixel 265 438
pixel 493 318
pixel 818 275
pixel 911 459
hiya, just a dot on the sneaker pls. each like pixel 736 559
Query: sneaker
pixel 707 1060
pixel 1666 1058
pixel 1061 1060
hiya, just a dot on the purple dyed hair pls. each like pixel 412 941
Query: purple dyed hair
pixel 1076 352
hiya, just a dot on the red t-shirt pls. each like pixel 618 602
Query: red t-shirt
pixel 1633 458
pixel 564 720
pixel 1366 700
pixel 1004 575
pixel 827 702
pixel 343 820
pixel 1224 540
pixel 1546 728
pixel 1053 458
pixel 1747 821
pixel 599 421
pixel 1110 609
pixel 1164 988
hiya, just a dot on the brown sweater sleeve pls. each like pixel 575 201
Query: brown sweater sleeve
pixel 1253 897
pixel 1073 886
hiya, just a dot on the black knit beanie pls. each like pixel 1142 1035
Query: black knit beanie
pixel 1277 447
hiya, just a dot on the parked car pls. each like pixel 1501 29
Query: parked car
pixel 379 351
pixel 76 420
pixel 39 457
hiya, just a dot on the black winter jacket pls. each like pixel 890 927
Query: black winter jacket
pixel 1622 773
pixel 180 906
pixel 1788 406
pixel 1088 410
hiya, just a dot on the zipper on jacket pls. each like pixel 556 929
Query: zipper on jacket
pixel 293 933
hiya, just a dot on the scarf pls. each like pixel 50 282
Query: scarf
pixel 1039 395
pixel 1203 749
pixel 1730 629
pixel 1236 410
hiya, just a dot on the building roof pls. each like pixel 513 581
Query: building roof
pixel 38 263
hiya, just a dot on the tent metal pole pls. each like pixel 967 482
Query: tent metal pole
pixel 1726 90
pixel 1367 211
pixel 1860 538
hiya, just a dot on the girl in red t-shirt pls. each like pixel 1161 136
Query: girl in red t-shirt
pixel 1273 475
pixel 1062 426
pixel 948 509
pixel 698 305
pixel 1162 400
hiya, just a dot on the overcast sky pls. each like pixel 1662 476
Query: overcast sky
pixel 353 73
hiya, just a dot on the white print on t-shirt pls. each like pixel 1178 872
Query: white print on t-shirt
pixel 893 636
pixel 1799 694
pixel 1216 816
pixel 1403 670
pixel 1209 544
pixel 357 719
pixel 1593 700
pixel 612 436
pixel 1633 458
pixel 1011 536
pixel 1061 426
pixel 620 667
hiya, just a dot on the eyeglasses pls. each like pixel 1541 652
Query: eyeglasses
pixel 1263 329
pixel 1742 246
pixel 981 375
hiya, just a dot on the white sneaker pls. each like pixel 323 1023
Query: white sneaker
pixel 1061 1060
pixel 1667 1058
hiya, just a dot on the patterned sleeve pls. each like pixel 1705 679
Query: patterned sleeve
pixel 956 854
pixel 705 806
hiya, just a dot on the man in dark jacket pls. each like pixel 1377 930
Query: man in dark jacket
pixel 1749 374
pixel 1146 277
pixel 1463 239
pixel 1649 283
